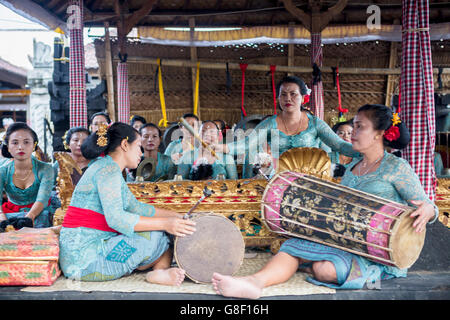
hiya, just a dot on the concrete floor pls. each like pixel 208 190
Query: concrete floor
pixel 428 279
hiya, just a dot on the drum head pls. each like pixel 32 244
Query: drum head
pixel 406 243
pixel 217 245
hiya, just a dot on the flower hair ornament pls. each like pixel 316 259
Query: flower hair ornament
pixel 307 95
pixel 102 140
pixel 393 133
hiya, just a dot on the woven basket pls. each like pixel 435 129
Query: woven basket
pixel 29 257
pixel 28 273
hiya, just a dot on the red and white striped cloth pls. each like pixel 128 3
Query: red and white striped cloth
pixel 77 80
pixel 417 92
pixel 123 94
pixel 317 103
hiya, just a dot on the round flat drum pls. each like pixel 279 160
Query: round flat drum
pixel 217 245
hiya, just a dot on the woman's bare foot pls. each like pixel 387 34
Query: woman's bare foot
pixel 167 277
pixel 243 287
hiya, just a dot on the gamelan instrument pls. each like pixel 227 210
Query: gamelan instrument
pixel 146 169
pixel 197 137
pixel 217 245
pixel 303 206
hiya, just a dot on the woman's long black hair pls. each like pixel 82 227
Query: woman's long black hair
pixel 114 135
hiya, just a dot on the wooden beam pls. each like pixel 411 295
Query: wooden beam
pixel 28 8
pixel 266 68
pixel 303 17
pixel 326 17
pixel 291 49
pixel 109 74
pixel 125 25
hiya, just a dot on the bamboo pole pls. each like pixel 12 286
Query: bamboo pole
pixel 291 49
pixel 390 78
pixel 266 68
pixel 194 62
pixel 109 74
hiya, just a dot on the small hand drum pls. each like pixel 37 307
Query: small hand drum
pixel 217 245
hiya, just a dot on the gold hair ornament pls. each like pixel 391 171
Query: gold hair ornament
pixel 102 141
pixel 64 140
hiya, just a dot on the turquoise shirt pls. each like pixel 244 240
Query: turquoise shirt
pixel 394 179
pixel 39 191
pixel 174 147
pixel 317 133
pixel 95 255
pixel 224 165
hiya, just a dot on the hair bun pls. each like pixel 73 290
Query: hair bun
pixel 402 141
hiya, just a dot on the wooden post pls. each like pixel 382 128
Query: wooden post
pixel 390 78
pixel 109 75
pixel 194 62
pixel 266 68
pixel 291 48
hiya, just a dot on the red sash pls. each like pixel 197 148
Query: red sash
pixel 9 207
pixel 78 217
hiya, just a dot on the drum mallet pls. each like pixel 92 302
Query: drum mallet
pixel 206 194
pixel 196 136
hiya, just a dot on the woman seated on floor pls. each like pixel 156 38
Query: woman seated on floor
pixel 72 140
pixel 107 233
pixel 200 164
pixel 151 139
pixel 26 181
pixel 379 173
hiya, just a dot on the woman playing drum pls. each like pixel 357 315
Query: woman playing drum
pixel 107 233
pixel 378 173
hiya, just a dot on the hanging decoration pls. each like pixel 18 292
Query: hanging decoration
pixel 196 93
pixel 163 121
pixel 340 109
pixel 229 81
pixel 243 67
pixel 123 94
pixel 272 72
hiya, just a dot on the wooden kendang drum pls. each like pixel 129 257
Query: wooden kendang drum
pixel 303 206
pixel 216 246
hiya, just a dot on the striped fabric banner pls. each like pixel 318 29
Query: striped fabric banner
pixel 123 94
pixel 317 103
pixel 417 91
pixel 77 80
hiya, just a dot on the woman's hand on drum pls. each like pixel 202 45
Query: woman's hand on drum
pixel 423 214
pixel 179 227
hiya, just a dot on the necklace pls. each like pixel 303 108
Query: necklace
pixel 23 179
pixel 299 125
pixel 370 167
